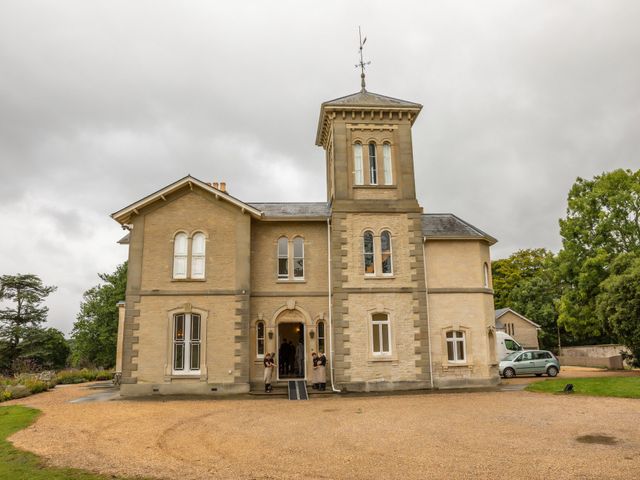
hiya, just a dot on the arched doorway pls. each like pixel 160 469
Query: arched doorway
pixel 291 344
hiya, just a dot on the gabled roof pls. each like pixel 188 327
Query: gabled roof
pixel 449 226
pixel 501 311
pixel 293 211
pixel 123 216
pixel 363 101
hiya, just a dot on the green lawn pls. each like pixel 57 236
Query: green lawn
pixel 20 465
pixel 627 387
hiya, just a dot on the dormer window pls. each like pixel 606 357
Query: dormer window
pixel 373 164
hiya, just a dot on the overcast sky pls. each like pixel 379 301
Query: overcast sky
pixel 102 103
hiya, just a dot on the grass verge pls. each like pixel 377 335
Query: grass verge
pixel 20 465
pixel 624 387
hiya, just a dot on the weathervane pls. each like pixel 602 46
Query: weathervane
pixel 362 64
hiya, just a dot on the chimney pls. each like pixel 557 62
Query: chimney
pixel 215 185
pixel 223 187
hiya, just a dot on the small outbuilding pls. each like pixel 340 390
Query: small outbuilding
pixel 523 330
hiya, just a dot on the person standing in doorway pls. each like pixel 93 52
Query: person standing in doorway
pixel 268 372
pixel 314 373
pixel 322 372
pixel 282 356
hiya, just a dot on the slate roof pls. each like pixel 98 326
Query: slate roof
pixel 447 225
pixel 319 210
pixel 370 99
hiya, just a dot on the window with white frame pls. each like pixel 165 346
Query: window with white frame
pixel 380 334
pixel 357 164
pixel 321 337
pixel 283 257
pixel 368 255
pixel 385 247
pixel 180 255
pixel 486 275
pixel 197 255
pixel 298 258
pixel 456 348
pixel 386 158
pixel 260 339
pixel 186 343
pixel 373 164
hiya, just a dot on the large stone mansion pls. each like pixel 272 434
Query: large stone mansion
pixel 396 298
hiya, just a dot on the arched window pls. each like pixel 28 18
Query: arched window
pixel 357 164
pixel 321 337
pixel 298 258
pixel 388 170
pixel 486 275
pixel 380 334
pixel 180 252
pixel 373 164
pixel 369 268
pixel 456 349
pixel 197 255
pixel 260 339
pixel 186 343
pixel 385 244
pixel 283 257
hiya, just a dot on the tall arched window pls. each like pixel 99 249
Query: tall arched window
pixel 298 258
pixel 283 257
pixel 373 164
pixel 357 164
pixel 186 343
pixel 369 268
pixel 385 247
pixel 388 171
pixel 486 275
pixel 180 252
pixel 321 337
pixel 380 334
pixel 197 255
pixel 260 339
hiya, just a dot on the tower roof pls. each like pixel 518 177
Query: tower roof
pixel 363 101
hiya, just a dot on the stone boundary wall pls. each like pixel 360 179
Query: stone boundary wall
pixel 612 363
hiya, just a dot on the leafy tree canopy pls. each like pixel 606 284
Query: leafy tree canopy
pixel 96 328
pixel 602 222
pixel 618 304
pixel 24 295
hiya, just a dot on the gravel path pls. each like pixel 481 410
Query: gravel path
pixel 455 435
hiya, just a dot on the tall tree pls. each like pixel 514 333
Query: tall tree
pixel 527 282
pixel 603 221
pixel 96 328
pixel 25 294
pixel 618 303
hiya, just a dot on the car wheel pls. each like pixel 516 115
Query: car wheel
pixel 509 373
pixel 538 374
pixel 552 371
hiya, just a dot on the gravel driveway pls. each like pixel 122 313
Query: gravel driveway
pixel 452 435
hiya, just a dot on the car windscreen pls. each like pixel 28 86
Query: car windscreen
pixel 511 356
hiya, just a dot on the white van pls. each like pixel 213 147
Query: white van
pixel 505 344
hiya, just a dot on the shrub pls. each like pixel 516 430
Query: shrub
pixel 84 375
pixel 5 395
pixel 18 391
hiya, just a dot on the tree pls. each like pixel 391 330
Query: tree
pixel 527 282
pixel 618 303
pixel 603 221
pixel 26 294
pixel 96 328
pixel 43 348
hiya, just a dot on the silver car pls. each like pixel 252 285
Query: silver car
pixel 529 362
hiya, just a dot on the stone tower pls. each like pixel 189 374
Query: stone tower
pixel 377 260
